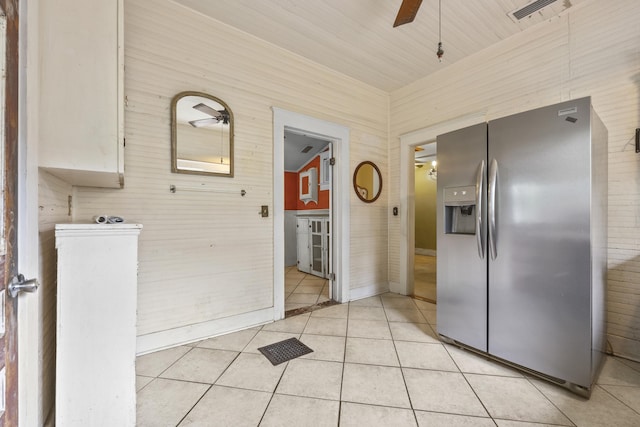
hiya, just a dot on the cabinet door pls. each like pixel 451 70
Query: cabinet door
pixel 326 241
pixel 81 91
pixel 317 247
pixel 302 238
pixel 309 186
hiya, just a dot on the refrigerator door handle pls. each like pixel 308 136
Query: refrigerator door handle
pixel 479 193
pixel 493 177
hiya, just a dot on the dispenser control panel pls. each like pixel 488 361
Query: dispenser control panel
pixel 460 210
pixel 456 196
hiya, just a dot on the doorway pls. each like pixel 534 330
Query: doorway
pixel 408 142
pixel 285 123
pixel 424 267
pixel 308 219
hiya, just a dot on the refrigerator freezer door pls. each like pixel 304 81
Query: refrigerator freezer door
pixel 539 282
pixel 461 266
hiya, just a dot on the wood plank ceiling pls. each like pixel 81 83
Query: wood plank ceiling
pixel 357 38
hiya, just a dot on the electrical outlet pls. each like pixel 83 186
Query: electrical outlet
pixel 264 211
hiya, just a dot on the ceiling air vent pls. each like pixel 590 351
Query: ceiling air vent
pixel 307 149
pixel 531 8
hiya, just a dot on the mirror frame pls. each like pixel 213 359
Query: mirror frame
pixel 355 185
pixel 174 134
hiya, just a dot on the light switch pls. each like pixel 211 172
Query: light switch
pixel 264 211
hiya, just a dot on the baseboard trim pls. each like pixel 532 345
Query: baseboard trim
pixel 395 288
pixel 368 291
pixel 624 347
pixel 187 334
pixel 428 252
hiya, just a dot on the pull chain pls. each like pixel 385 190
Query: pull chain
pixel 440 52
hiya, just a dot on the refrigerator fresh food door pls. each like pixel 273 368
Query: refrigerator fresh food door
pixel 539 247
pixel 461 222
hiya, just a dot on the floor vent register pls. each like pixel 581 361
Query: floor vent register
pixel 284 351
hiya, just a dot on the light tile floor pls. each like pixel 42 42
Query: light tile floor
pixel 424 277
pixel 303 290
pixel 376 362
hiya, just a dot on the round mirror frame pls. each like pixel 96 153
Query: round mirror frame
pixel 355 184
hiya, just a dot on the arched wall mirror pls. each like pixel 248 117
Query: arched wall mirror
pixel 367 181
pixel 201 135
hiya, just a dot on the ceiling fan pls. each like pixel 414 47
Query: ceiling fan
pixel 216 116
pixel 407 12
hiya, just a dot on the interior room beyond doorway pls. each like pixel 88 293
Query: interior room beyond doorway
pixel 308 182
pixel 425 180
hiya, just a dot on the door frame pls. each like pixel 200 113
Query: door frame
pixel 30 363
pixel 340 208
pixel 407 191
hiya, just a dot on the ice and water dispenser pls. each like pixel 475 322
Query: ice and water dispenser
pixel 460 210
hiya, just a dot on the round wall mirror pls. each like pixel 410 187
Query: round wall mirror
pixel 367 181
pixel 201 135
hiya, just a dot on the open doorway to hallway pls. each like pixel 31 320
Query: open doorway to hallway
pixel 424 268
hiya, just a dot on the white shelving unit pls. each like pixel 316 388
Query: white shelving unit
pixel 96 324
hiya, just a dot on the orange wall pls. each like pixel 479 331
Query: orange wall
pixel 291 190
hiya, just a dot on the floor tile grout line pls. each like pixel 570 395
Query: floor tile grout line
pixel 175 361
pixel 615 397
pixel 469 384
pixel 344 359
pixel 200 382
pixel 404 380
pixel 273 393
pixel 529 380
pixel 194 405
pixel 484 406
pixel 251 339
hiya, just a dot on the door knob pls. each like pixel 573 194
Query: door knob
pixel 18 284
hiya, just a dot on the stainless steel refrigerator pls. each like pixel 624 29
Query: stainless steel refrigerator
pixel 522 235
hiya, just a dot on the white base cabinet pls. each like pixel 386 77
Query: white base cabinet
pixel 314 240
pixel 96 324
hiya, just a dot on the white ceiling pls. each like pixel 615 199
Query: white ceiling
pixel 294 143
pixel 357 38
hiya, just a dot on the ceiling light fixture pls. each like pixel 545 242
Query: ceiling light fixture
pixel 440 52
pixel 433 172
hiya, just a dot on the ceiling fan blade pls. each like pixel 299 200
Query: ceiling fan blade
pixel 203 122
pixel 407 12
pixel 208 110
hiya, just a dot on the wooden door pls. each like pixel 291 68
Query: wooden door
pixel 8 222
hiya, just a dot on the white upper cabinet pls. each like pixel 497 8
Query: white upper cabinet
pixel 81 91
pixel 309 186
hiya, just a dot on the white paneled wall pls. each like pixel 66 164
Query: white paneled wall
pixel 53 199
pixel 209 256
pixel 592 50
pixel 369 222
